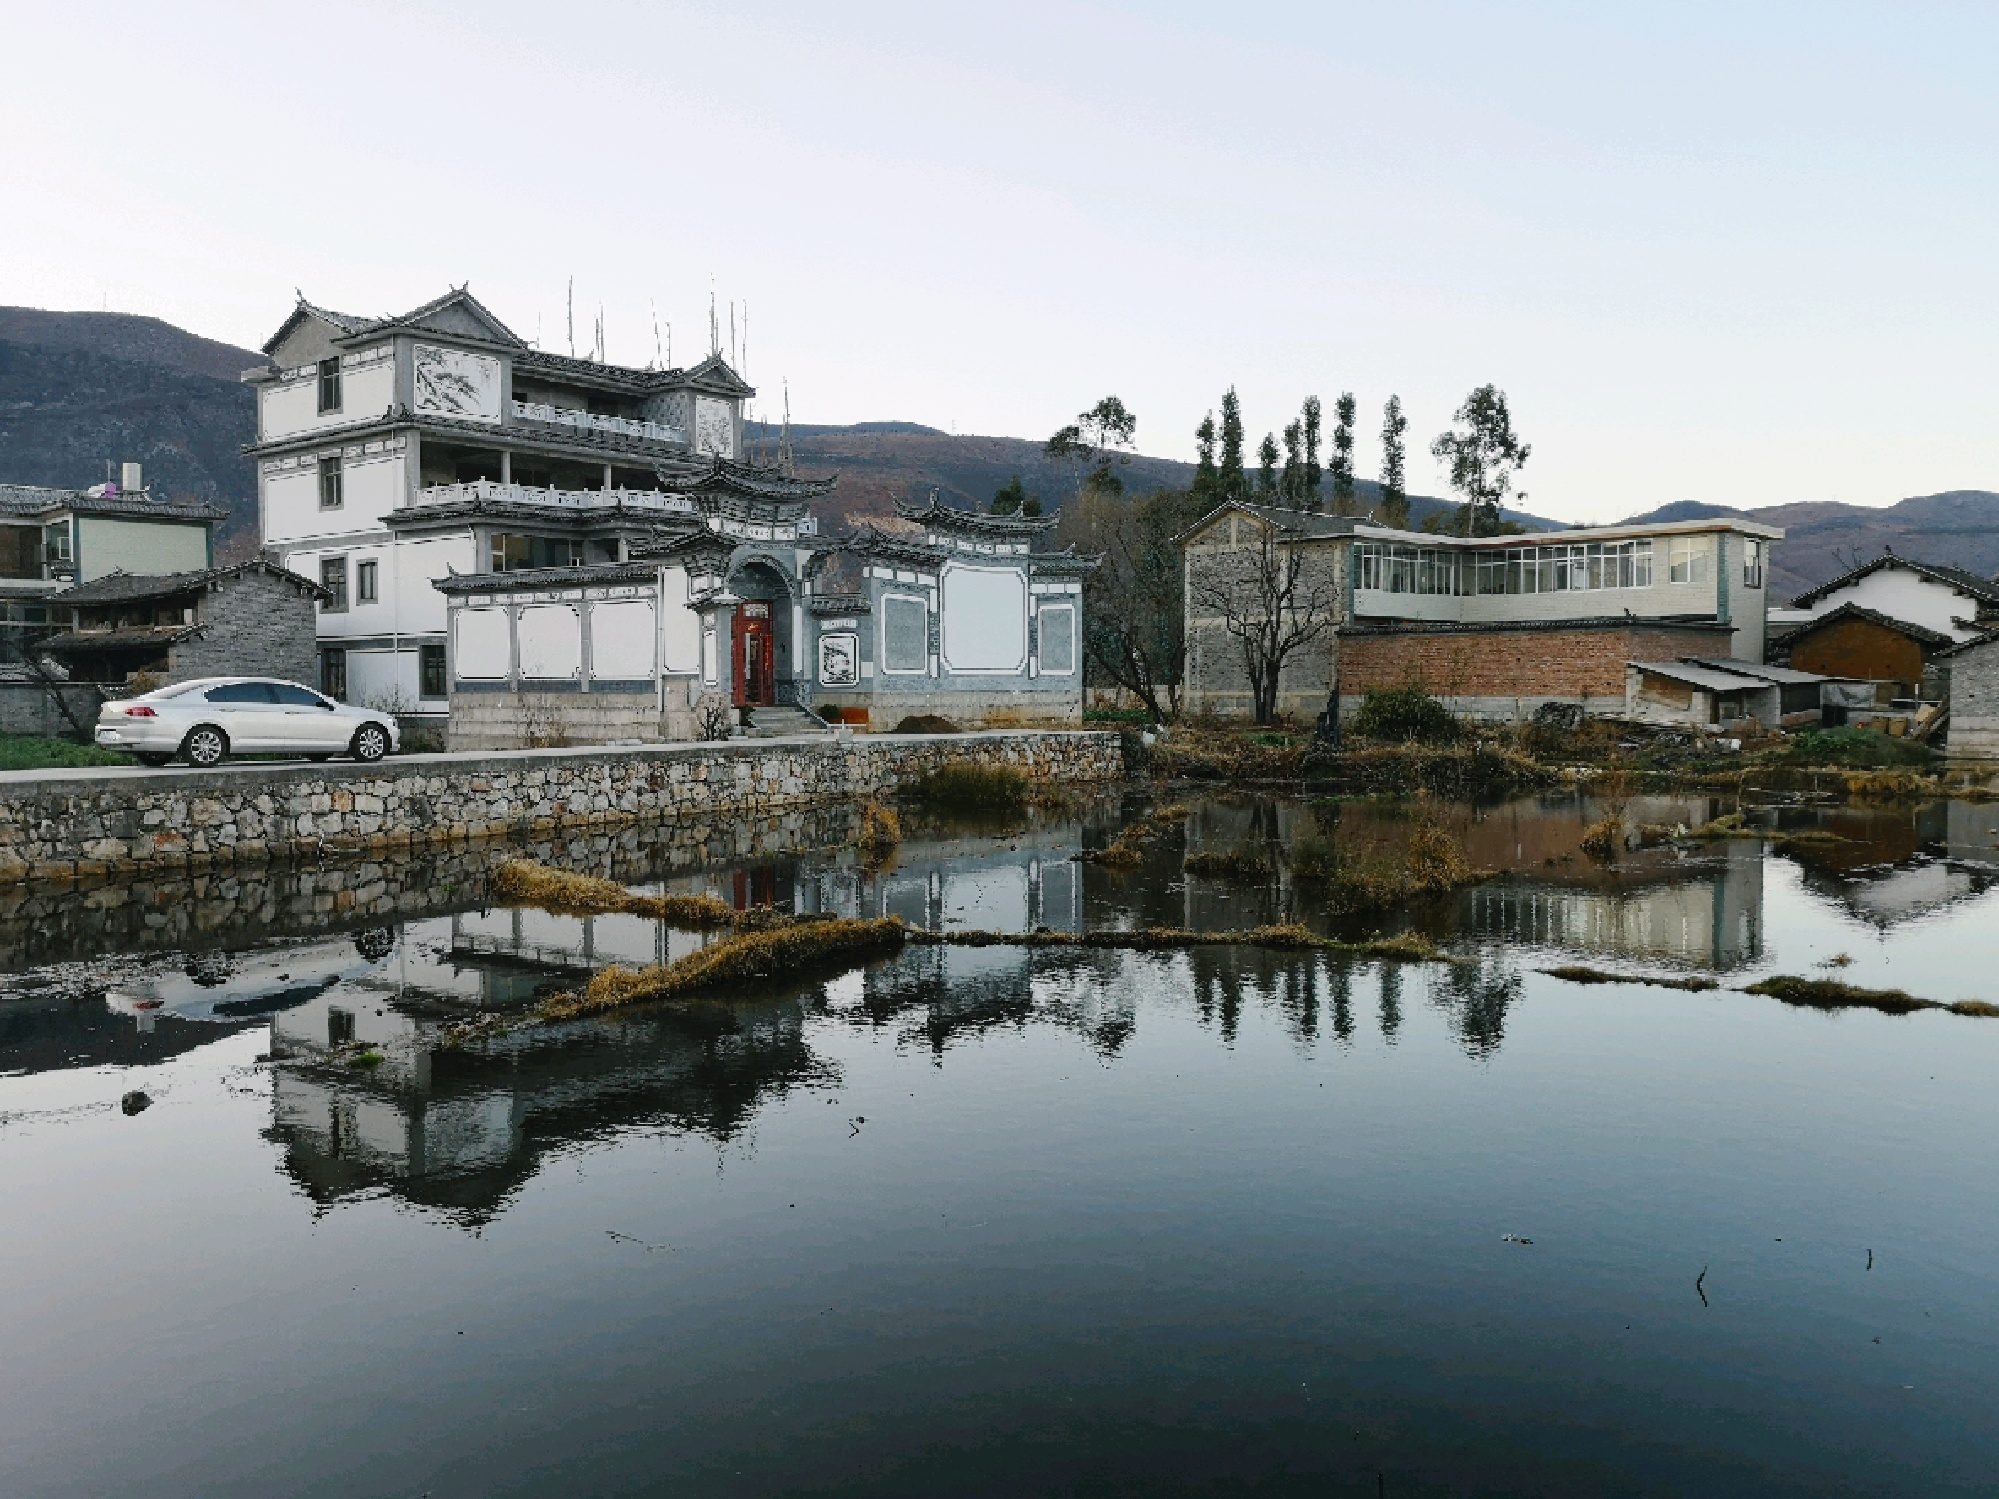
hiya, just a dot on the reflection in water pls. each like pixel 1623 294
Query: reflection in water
pixel 382 957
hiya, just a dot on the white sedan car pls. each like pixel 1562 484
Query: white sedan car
pixel 207 720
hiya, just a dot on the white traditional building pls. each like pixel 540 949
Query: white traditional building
pixel 395 452
pixel 547 550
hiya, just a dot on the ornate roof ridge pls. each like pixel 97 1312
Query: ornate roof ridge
pixel 935 512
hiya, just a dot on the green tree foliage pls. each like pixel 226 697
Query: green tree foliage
pixel 1207 478
pixel 1394 492
pixel 1313 474
pixel 1234 482
pixel 1096 445
pixel 1009 497
pixel 1344 502
pixel 1482 454
pixel 1266 469
pixel 1291 483
pixel 1135 609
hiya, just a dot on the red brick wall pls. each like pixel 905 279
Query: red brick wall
pixel 1517 663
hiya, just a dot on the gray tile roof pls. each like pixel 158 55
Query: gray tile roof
pixel 1984 589
pixel 123 587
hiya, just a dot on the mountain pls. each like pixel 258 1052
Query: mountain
pixel 1824 538
pixel 79 390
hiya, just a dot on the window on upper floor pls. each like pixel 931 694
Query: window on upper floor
pixel 1687 559
pixel 330 495
pixel 329 384
pixel 365 586
pixel 333 577
pixel 1752 563
pixel 56 543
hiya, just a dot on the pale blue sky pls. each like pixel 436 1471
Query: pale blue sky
pixel 1741 253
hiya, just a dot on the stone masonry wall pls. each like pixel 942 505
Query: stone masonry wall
pixel 1974 704
pixel 258 626
pixel 92 823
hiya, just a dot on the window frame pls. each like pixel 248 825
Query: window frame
pixel 329 385
pixel 425 655
pixel 367 581
pixel 1752 562
pixel 333 672
pixel 338 604
pixel 332 483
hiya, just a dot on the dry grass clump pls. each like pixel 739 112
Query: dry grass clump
pixel 1576 974
pixel 1236 864
pixel 1371 878
pixel 1603 840
pixel 528 883
pixel 1828 994
pixel 747 958
pixel 881 835
pixel 927 723
pixel 1127 850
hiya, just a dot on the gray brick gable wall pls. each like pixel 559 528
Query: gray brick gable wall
pixel 259 625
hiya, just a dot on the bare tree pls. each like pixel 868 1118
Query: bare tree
pixel 1136 630
pixel 1271 605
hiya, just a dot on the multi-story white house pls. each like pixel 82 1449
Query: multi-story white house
pixel 394 452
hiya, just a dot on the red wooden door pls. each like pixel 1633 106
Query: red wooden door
pixel 755 656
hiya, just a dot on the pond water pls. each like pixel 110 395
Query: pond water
pixel 1000 1221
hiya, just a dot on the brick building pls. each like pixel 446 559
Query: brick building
pixel 1853 641
pixel 1494 626
pixel 250 620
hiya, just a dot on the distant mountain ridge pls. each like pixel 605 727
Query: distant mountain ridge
pixel 80 389
pixel 1824 538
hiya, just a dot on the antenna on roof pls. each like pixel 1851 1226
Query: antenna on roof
pixel 572 317
pixel 784 460
pixel 600 332
pixel 714 324
pixel 732 331
pixel 742 368
pixel 657 352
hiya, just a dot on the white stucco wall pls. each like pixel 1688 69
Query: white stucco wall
pixel 1901 594
pixel 291 405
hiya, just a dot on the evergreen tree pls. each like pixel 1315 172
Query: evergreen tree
pixel 1010 498
pixel 1313 474
pixel 1292 484
pixel 1266 473
pixel 1394 495
pixel 1207 481
pixel 1342 460
pixel 1483 454
pixel 1235 485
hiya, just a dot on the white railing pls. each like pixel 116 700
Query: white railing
pixel 589 421
pixel 559 499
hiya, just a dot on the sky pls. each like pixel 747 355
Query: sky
pixel 1741 253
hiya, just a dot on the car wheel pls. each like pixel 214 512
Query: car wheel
pixel 371 742
pixel 154 757
pixel 206 745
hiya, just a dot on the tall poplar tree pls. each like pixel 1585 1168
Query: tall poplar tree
pixel 1313 473
pixel 1292 484
pixel 1342 460
pixel 1394 493
pixel 1234 483
pixel 1266 473
pixel 1207 481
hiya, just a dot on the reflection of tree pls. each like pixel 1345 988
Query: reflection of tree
pixel 936 1002
pixel 1391 1002
pixel 1475 997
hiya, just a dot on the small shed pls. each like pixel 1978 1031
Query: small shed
pixel 250 620
pixel 1802 696
pixel 1708 694
pixel 1862 644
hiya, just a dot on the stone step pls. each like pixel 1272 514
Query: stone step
pixel 770 723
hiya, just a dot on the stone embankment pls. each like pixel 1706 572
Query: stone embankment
pixel 86 824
